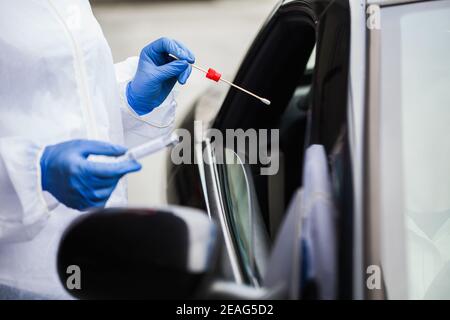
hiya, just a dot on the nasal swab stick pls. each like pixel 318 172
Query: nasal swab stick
pixel 215 76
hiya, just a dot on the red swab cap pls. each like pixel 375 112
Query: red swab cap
pixel 213 75
pixel 216 76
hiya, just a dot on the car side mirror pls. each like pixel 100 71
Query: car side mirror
pixel 138 254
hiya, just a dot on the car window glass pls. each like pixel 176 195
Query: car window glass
pixel 236 193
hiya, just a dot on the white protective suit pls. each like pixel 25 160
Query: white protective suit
pixel 57 83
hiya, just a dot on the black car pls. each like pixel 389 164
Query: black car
pixel 340 75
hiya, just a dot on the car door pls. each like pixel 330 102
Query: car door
pixel 299 60
pixel 280 52
pixel 308 107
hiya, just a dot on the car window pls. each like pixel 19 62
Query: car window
pixel 243 216
pixel 239 207
pixel 415 149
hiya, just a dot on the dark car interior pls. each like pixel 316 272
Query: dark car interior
pixel 285 54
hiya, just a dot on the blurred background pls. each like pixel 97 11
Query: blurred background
pixel 219 32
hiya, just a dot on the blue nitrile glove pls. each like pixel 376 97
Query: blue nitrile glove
pixel 77 182
pixel 157 74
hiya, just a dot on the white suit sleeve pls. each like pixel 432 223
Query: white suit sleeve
pixel 140 129
pixel 24 208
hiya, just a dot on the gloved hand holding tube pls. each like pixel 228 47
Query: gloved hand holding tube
pixel 71 176
pixel 157 74
pixel 77 182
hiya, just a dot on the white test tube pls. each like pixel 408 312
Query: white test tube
pixel 152 146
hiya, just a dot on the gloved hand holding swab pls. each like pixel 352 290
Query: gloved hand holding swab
pixel 216 76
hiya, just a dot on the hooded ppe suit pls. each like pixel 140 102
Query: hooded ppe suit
pixel 57 83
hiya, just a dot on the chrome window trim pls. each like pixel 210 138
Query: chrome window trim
pixel 371 225
pixel 217 212
pixel 198 153
pixel 355 112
